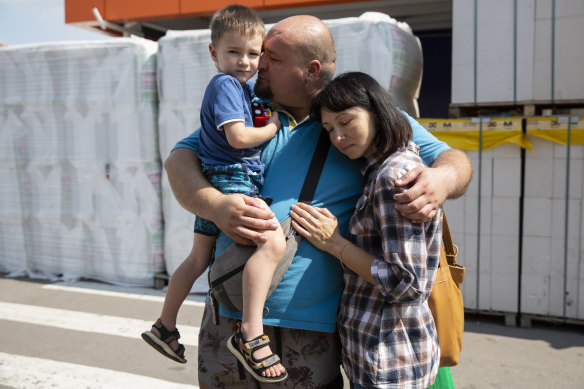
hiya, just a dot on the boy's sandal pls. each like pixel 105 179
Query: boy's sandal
pixel 162 344
pixel 254 366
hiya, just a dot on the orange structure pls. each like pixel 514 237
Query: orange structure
pixel 79 12
pixel 152 18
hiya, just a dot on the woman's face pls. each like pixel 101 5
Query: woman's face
pixel 352 131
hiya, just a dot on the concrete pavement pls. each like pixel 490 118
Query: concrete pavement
pixel 496 356
pixel 86 334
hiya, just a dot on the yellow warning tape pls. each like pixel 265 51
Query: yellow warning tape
pixel 555 131
pixel 464 133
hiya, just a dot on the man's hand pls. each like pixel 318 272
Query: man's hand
pixel 421 202
pixel 244 218
pixel 448 177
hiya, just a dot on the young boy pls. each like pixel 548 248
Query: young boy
pixel 229 152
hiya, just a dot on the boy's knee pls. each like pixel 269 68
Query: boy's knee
pixel 276 244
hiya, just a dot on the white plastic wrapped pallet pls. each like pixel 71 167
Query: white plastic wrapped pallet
pixel 79 161
pixel 384 48
pixel 184 69
pixel 491 259
pixel 373 43
pixel 545 234
pixel 523 248
pixel 532 54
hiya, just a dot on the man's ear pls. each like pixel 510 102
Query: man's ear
pixel 313 70
pixel 213 52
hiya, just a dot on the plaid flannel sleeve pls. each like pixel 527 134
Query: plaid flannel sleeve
pixel 400 274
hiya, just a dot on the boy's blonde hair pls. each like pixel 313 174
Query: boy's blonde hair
pixel 238 18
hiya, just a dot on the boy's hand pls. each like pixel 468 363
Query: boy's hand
pixel 244 218
pixel 274 119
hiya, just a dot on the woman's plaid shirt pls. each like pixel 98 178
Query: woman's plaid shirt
pixel 387 331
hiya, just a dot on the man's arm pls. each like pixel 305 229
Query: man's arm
pixel 240 217
pixel 447 177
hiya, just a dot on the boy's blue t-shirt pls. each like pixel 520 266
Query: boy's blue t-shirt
pixel 225 100
pixel 308 295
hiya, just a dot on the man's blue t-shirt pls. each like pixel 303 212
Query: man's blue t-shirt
pixel 308 295
pixel 225 100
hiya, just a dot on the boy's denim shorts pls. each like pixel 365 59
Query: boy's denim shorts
pixel 230 179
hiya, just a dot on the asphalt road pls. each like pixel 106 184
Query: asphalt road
pixel 87 335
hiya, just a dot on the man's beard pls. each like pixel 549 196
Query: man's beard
pixel 262 90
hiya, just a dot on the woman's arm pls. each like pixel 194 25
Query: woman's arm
pixel 401 271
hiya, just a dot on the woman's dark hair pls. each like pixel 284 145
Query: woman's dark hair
pixel 356 89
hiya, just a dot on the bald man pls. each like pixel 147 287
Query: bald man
pixel 298 59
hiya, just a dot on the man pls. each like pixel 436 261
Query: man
pixel 298 58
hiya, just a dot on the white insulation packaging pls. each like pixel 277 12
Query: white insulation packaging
pixel 184 69
pixel 385 49
pixel 79 161
pixel 373 43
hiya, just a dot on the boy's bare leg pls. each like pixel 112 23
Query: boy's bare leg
pixel 257 277
pixel 182 281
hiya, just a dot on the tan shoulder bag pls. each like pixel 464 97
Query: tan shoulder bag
pixel 446 301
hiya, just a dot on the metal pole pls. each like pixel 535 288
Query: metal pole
pixel 479 200
pixel 476 20
pixel 553 56
pixel 515 52
pixel 521 223
pixel 567 212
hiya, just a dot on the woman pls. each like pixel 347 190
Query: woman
pixel 387 331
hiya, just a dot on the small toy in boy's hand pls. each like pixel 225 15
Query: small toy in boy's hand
pixel 260 114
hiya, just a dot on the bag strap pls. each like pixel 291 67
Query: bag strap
pixel 315 168
pixel 450 249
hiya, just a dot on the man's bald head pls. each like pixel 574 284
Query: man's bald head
pixel 312 40
pixel 298 60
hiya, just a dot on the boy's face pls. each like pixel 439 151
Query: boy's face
pixel 237 55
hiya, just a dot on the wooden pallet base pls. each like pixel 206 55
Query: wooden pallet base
pixel 527 319
pixel 524 320
pixel 509 317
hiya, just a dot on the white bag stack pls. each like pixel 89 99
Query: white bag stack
pixel 184 70
pixel 385 49
pixel 79 162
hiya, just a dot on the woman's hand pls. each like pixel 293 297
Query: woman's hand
pixel 318 226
